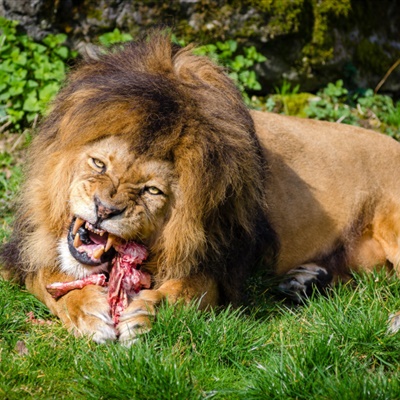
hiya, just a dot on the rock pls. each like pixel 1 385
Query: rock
pixel 306 43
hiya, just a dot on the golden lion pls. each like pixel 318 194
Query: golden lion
pixel 153 145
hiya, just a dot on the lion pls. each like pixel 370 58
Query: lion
pixel 152 144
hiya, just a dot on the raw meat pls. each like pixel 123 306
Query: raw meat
pixel 125 279
pixel 58 289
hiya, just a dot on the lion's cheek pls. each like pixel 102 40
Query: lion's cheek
pixel 81 203
pixel 147 226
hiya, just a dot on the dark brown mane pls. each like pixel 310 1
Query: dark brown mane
pixel 171 104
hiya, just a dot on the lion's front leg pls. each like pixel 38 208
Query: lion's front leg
pixel 136 318
pixel 83 311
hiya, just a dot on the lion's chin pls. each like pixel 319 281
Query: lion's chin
pixel 89 245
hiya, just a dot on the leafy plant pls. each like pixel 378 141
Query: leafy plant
pixel 382 106
pixel 30 72
pixel 335 103
pixel 239 62
pixel 114 37
pixel 10 177
pixel 286 89
pixel 288 99
pixel 374 111
pixel 330 104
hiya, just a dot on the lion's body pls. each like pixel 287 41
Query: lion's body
pixel 154 144
pixel 333 193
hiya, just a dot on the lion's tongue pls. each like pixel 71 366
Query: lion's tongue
pixel 98 239
pixel 94 251
pixel 99 245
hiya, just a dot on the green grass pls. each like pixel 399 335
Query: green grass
pixel 335 346
pixel 12 155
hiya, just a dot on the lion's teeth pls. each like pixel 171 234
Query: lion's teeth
pixel 77 241
pixel 98 253
pixel 77 224
pixel 91 228
pixel 110 241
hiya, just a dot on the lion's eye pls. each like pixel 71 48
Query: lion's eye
pixel 97 164
pixel 153 190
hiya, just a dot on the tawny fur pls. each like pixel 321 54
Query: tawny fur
pixel 241 188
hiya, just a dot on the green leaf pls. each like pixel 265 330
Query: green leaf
pixel 37 47
pixel 4 96
pixel 16 115
pixel 30 116
pixel 31 84
pixel 48 92
pixel 206 49
pixel 110 38
pixel 62 52
pixel 31 102
pixel 234 76
pixel 238 63
pixel 53 41
pixel 232 45
pixel 8 66
pixel 17 87
pixel 60 38
pixel 126 37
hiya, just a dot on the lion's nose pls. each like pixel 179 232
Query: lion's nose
pixel 104 212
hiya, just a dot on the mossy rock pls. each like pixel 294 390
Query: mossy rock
pixel 308 41
pixel 293 104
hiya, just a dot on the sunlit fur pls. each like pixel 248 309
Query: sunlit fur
pixel 164 103
pixel 239 188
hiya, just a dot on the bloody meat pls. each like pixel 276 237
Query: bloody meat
pixel 58 289
pixel 125 280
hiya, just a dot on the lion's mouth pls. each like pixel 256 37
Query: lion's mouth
pixel 90 245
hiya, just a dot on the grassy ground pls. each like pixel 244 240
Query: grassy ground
pixel 335 346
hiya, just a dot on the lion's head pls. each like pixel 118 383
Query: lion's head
pixel 153 144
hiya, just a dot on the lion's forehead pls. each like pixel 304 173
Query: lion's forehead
pixel 121 160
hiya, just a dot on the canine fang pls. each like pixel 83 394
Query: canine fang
pixel 78 223
pixel 110 242
pixel 77 241
pixel 98 253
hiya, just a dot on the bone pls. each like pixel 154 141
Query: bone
pixel 78 223
pixel 58 289
pixel 98 253
pixel 77 241
pixel 110 242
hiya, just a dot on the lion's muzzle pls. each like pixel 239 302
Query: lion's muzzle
pixel 89 245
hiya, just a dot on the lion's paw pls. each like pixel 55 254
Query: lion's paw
pixel 136 319
pixel 87 313
pixel 96 324
pixel 301 281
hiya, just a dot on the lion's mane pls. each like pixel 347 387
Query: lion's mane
pixel 169 104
